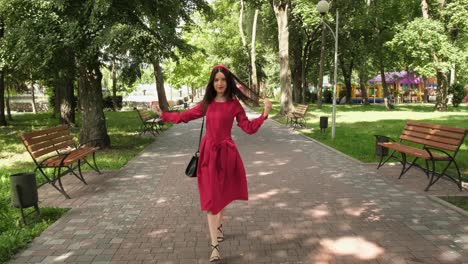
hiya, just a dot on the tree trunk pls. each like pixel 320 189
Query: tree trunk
pixel 114 86
pixel 362 85
pixel 3 121
pixel 241 30
pixel 296 78
pixel 67 109
pixel 347 79
pixel 441 93
pixel 425 9
pixel 255 87
pixel 163 104
pixel 33 94
pixel 388 103
pixel 93 128
pixel 58 97
pixel 322 58
pixel 281 13
pixel 7 102
pixel 304 66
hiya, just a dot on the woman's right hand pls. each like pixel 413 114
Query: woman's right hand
pixel 158 110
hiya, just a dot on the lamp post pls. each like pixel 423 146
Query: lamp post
pixel 322 8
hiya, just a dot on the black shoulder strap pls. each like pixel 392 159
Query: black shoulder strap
pixel 202 125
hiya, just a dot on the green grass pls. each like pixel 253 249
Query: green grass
pixel 356 126
pixel 123 130
pixel 14 236
pixel 460 201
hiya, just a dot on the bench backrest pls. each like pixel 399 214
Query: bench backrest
pixel 301 109
pixel 144 114
pixel 437 136
pixel 42 142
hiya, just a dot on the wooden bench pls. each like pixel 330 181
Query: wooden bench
pixel 149 123
pixel 55 148
pixel 429 142
pixel 297 116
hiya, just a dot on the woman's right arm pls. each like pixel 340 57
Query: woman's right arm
pixel 186 116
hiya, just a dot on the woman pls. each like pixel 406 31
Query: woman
pixel 221 175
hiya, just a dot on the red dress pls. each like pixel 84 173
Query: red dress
pixel 220 173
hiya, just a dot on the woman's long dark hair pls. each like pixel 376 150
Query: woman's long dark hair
pixel 233 89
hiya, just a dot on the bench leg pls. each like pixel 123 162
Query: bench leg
pixel 61 189
pixel 389 157
pixel 436 176
pixel 404 169
pixel 95 166
pixel 52 182
pixel 80 173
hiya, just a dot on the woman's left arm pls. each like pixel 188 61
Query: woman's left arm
pixel 251 126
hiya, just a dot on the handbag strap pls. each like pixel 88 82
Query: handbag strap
pixel 202 125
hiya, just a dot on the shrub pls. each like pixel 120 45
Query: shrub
pixel 327 96
pixel 458 94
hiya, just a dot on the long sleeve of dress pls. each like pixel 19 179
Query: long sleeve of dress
pixel 186 116
pixel 249 126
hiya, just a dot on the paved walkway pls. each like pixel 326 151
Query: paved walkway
pixel 308 204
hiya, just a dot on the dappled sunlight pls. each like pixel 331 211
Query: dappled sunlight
pixel 450 256
pixel 63 257
pixel 318 212
pixel 354 246
pixel 161 200
pixel 281 205
pixel 338 175
pixel 268 194
pixel 263 173
pixel 157 233
pixel 141 177
pixel 175 155
pixel 260 152
pixel 355 211
pixel 264 195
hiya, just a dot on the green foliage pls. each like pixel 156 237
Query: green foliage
pixel 421 40
pixel 458 94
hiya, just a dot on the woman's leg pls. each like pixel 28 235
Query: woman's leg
pixel 212 226
pixel 220 234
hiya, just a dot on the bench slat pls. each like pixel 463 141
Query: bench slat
pixel 432 138
pixel 45 151
pixel 29 135
pixel 75 155
pixel 420 153
pixel 441 127
pixel 429 143
pixel 35 140
pixel 45 144
pixel 436 132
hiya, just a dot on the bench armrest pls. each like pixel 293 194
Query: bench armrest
pixel 429 150
pixel 87 142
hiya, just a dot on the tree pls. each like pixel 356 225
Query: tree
pixel 3 121
pixel 430 51
pixel 281 9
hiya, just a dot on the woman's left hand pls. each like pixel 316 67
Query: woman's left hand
pixel 267 107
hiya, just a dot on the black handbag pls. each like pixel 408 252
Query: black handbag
pixel 191 170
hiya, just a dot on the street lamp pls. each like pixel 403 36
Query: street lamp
pixel 322 8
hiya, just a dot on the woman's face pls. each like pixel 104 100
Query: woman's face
pixel 219 83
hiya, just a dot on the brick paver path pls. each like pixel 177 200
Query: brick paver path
pixel 308 204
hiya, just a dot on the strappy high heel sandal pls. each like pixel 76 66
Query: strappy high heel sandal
pixel 220 233
pixel 215 258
